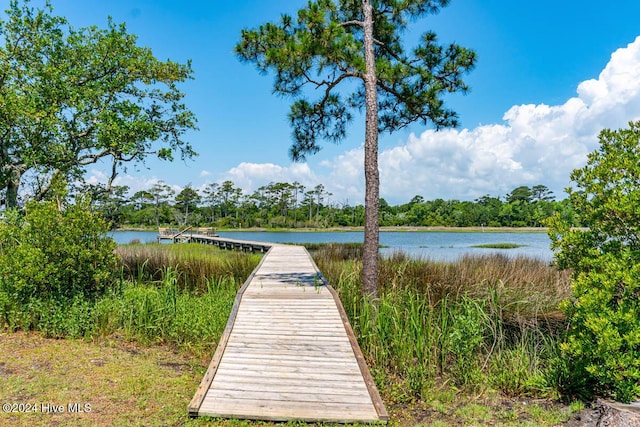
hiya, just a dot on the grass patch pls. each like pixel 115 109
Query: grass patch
pixel 122 383
pixel 195 264
pixel 498 246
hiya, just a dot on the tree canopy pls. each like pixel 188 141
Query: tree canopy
pixel 72 97
pixel 331 43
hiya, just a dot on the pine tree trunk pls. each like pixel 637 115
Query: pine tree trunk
pixel 372 178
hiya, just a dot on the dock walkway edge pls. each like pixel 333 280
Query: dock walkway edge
pixel 200 394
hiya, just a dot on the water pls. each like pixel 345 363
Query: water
pixel 442 246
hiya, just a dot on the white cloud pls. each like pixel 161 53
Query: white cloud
pixel 250 176
pixel 536 144
pixel 204 173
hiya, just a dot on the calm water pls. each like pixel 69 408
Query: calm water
pixel 433 245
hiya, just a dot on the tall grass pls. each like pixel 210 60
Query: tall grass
pixel 483 323
pixel 174 294
pixel 194 264
pixel 166 313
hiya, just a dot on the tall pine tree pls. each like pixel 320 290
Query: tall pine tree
pixel 331 43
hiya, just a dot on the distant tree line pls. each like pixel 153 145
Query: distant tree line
pixel 292 205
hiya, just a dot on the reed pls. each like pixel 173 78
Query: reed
pixel 166 313
pixel 174 294
pixel 525 286
pixel 194 264
pixel 179 295
pixel 483 323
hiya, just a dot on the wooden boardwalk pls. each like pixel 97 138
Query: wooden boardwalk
pixel 288 352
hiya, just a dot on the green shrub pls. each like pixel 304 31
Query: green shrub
pixel 603 344
pixel 605 330
pixel 49 254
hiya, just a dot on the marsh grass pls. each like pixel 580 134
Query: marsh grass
pixel 498 246
pixel 174 294
pixel 164 313
pixel 482 324
pixel 194 264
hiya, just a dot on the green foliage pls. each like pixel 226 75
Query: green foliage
pixel 604 338
pixel 165 313
pixel 498 246
pixel 57 255
pixel 75 96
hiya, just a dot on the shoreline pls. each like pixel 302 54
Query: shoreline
pixel 399 229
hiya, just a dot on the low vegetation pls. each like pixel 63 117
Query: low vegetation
pixel 195 264
pixel 498 246
pixel 482 325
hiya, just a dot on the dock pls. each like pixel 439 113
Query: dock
pixel 176 235
pixel 288 352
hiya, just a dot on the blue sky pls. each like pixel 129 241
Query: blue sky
pixel 547 80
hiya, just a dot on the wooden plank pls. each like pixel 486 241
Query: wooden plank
pixel 303 348
pixel 250 360
pixel 275 331
pixel 297 327
pixel 293 352
pixel 288 339
pixel 291 316
pixel 283 374
pixel 283 387
pixel 235 354
pixel 268 383
pixel 283 411
pixel 295 396
pixel 297 369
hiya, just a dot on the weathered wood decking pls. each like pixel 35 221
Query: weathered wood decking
pixel 288 352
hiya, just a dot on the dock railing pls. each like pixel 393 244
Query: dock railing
pixel 174 234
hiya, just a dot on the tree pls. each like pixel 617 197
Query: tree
pixel 142 198
pixel 73 97
pixel 542 193
pixel 161 193
pixel 111 205
pixel 189 199
pixel 522 194
pixel 334 42
pixel 229 195
pixel 604 337
pixel 211 196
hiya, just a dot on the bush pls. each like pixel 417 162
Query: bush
pixel 48 254
pixel 603 343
